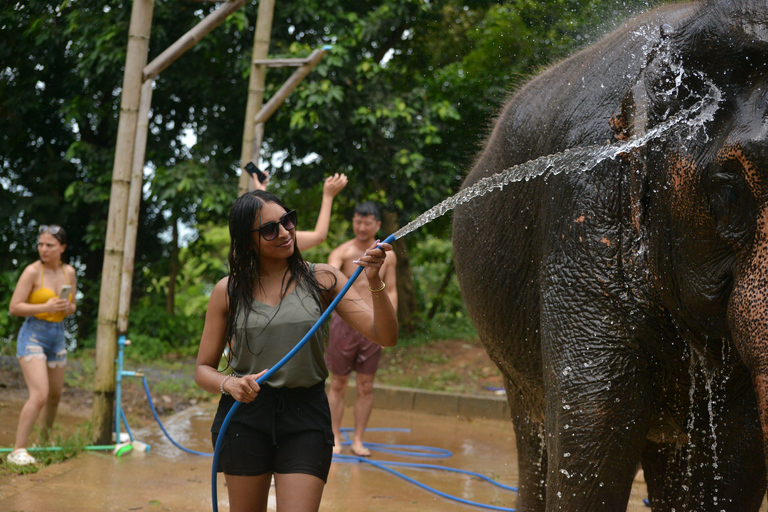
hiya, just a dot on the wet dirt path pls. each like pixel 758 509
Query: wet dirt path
pixel 167 478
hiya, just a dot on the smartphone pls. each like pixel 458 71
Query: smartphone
pixel 251 168
pixel 65 290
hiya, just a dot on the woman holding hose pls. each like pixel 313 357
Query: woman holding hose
pixel 269 301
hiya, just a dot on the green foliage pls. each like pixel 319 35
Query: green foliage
pixel 81 371
pixel 437 291
pixel 9 325
pixel 153 332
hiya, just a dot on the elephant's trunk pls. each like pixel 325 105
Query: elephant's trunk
pixel 748 319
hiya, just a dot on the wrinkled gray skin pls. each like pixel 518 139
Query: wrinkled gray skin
pixel 627 306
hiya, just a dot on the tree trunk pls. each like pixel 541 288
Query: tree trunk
pixel 438 300
pixel 406 295
pixel 170 298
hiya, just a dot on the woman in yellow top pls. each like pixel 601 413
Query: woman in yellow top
pixel 41 296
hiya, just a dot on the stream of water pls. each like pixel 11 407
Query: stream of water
pixel 577 159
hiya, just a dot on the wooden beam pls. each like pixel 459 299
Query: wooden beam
pixel 293 81
pixel 280 63
pixel 191 38
pixel 255 92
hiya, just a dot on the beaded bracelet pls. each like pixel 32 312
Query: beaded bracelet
pixel 383 285
pixel 221 386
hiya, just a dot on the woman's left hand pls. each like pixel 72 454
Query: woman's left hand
pixel 373 259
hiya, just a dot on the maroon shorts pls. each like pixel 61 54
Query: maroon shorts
pixel 349 350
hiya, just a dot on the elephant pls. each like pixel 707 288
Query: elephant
pixel 625 303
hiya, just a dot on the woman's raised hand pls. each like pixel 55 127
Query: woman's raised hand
pixel 334 184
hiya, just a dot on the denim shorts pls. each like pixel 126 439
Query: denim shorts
pixel 41 339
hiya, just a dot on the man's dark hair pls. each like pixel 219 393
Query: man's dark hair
pixel 367 208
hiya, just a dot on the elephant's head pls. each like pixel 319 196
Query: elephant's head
pixel 700 198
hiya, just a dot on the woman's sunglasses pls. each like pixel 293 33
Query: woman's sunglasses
pixel 52 229
pixel 270 230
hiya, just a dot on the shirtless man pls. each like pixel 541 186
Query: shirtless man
pixel 348 350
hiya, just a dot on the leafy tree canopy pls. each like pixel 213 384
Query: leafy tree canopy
pixel 401 104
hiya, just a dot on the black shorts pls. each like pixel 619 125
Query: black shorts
pixel 285 430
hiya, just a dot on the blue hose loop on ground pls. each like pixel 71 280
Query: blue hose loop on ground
pixel 408 450
pixel 417 451
pixel 383 465
pixel 154 413
pixel 404 450
pixel 271 371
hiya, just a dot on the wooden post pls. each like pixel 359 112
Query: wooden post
pixel 134 203
pixel 293 81
pixel 192 37
pixel 255 91
pixel 106 334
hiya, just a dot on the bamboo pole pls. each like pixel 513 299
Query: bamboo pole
pixel 255 91
pixel 192 37
pixel 258 138
pixel 106 335
pixel 134 203
pixel 281 63
pixel 287 88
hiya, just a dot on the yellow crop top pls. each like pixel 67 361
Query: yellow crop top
pixel 43 295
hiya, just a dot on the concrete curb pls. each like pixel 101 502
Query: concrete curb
pixel 433 402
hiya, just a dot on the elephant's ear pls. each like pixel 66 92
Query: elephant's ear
pixel 632 121
pixel 632 118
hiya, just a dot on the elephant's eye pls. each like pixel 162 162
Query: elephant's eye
pixel 732 205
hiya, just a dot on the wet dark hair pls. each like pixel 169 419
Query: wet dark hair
pixel 367 208
pixel 244 259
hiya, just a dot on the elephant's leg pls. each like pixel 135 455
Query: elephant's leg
pixel 531 452
pixel 597 422
pixel 713 471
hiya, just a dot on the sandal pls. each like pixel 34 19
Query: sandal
pixel 20 457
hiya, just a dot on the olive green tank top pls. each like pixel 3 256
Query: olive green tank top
pixel 269 333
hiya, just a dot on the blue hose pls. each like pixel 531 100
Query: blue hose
pixel 271 371
pixel 418 451
pixel 127 428
pixel 383 466
pixel 404 450
pixel 154 413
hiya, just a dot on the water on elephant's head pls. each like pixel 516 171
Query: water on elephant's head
pixel 691 120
